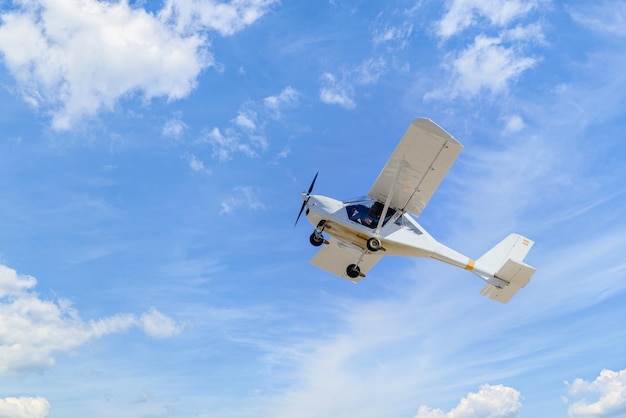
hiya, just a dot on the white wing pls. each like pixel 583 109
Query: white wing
pixel 336 256
pixel 424 155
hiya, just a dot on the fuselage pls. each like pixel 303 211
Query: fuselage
pixel 355 221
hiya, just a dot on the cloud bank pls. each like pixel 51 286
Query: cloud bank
pixel 75 58
pixel 610 390
pixel 489 402
pixel 24 407
pixel 495 57
pixel 33 330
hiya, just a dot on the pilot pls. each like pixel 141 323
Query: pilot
pixel 359 213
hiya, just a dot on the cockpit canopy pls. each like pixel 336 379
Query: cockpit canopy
pixel 367 211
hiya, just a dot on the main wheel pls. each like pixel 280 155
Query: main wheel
pixel 373 244
pixel 353 271
pixel 316 240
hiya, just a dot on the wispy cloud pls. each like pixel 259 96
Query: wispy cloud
pixel 245 197
pixel 397 35
pixel 246 134
pixel 607 17
pixel 514 124
pixel 195 164
pixel 340 90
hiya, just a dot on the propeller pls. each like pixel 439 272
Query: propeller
pixel 308 194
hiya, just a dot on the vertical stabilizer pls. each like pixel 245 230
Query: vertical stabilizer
pixel 505 263
pixel 513 247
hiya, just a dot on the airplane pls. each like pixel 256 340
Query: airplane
pixel 359 234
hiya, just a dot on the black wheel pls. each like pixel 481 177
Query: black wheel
pixel 353 271
pixel 373 244
pixel 315 240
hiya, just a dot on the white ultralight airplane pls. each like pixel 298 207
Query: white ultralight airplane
pixel 360 235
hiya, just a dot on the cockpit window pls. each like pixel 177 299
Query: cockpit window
pixel 368 212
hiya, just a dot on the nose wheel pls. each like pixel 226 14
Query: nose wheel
pixel 316 239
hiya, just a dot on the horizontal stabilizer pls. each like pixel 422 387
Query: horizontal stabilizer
pixel 516 274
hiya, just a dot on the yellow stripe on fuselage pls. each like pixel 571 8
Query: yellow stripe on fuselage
pixel 470 265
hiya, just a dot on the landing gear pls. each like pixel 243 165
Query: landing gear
pixel 373 244
pixel 353 271
pixel 316 239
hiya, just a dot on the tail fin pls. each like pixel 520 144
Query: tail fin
pixel 504 262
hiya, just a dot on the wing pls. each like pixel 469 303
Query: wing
pixel 424 155
pixel 336 256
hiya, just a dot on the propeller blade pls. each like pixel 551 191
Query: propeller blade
pixel 307 198
pixel 312 183
pixel 299 214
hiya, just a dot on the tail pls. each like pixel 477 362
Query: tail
pixel 504 263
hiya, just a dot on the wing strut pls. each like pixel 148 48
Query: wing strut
pixel 383 215
pixel 430 168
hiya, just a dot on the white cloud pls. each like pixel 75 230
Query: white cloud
pixel 32 330
pixel 226 18
pixel 335 92
pixel 196 164
pixel 157 325
pixel 74 58
pixel 227 143
pixel 489 402
pixel 610 389
pixel 495 58
pixel 487 64
pixel 462 14
pixel 24 407
pixel 287 98
pixel 174 128
pixel 246 119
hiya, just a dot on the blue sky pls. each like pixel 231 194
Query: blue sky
pixel 152 154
